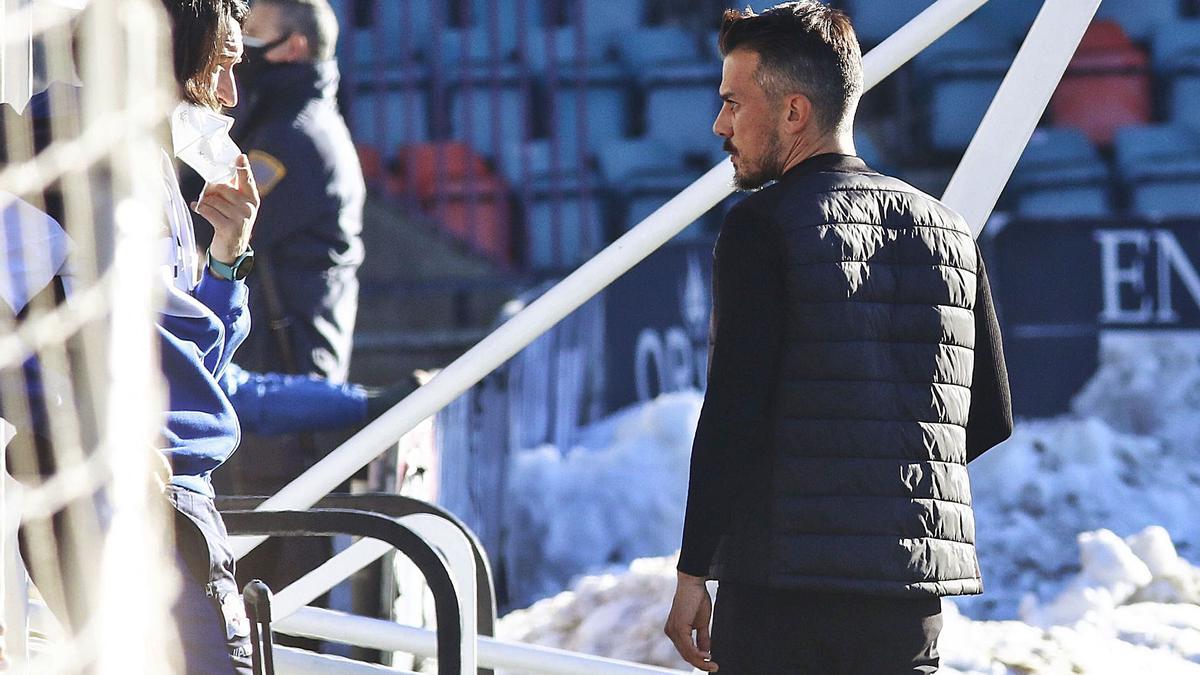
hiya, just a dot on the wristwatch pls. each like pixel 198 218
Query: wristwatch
pixel 239 270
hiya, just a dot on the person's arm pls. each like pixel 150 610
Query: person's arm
pixel 990 421
pixel 734 428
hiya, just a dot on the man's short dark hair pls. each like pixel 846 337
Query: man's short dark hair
pixel 197 31
pixel 314 19
pixel 804 47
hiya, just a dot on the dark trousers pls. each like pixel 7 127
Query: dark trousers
pixel 763 631
pixel 209 613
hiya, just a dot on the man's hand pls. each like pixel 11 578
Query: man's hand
pixel 691 610
pixel 231 208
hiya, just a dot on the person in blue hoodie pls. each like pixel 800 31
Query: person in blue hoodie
pixel 204 321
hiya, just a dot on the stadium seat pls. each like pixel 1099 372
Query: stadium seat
pixel 476 212
pixel 489 114
pixel 1059 157
pixel 962 71
pixel 967 49
pixel 559 47
pixel 541 165
pixel 1167 198
pixel 681 105
pixel 876 21
pixel 387 117
pixel 1176 53
pixel 1157 152
pixel 562 231
pixel 1065 202
pixel 956 108
pixel 387 31
pixel 607 21
pixel 1106 86
pixel 425 169
pixel 1139 18
pixel 646 47
pixel 604 104
pixel 1010 20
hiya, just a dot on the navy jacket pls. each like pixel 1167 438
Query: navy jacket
pixel 307 237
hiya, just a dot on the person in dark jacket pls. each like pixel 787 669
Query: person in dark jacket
pixel 308 243
pixel 855 368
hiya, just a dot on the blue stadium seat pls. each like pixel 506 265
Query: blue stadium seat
pixel 1185 101
pixel 956 108
pixel 1157 152
pixel 545 47
pixel 389 118
pixel 1139 18
pixel 647 47
pixel 562 232
pixel 1061 156
pixel 866 149
pixel 969 48
pixel 542 166
pixel 608 20
pixel 605 105
pixel 1064 203
pixel 464 48
pixel 393 31
pixel 964 69
pixel 682 115
pixel 1169 198
pixel 489 114
pixel 876 21
pixel 1177 45
pixel 1011 19
pixel 1176 53
pixel 634 159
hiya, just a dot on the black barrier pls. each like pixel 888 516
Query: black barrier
pixel 329 522
pixel 1059 285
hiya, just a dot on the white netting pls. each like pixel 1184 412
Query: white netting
pixel 86 419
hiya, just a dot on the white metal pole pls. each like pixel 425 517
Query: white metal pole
pixel 1019 104
pixel 360 631
pixel 329 574
pixel 300 662
pixel 569 294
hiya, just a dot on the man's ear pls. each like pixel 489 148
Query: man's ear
pixel 297 48
pixel 800 112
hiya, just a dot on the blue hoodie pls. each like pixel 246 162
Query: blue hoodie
pixel 201 429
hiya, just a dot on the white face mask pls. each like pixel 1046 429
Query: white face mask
pixel 201 140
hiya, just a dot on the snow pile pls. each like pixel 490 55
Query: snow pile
pixel 621 616
pixel 1148 384
pixel 1056 478
pixel 615 615
pixel 617 496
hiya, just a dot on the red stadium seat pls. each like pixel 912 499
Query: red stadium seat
pixel 476 211
pixel 1106 87
pixel 427 168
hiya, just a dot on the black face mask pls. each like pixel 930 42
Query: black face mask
pixel 254 59
pixel 250 77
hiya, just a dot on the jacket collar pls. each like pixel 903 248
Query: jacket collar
pixel 827 162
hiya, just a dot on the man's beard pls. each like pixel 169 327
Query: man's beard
pixel 769 168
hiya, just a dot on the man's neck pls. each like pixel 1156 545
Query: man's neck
pixel 807 146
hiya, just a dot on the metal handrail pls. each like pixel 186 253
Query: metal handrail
pixel 397 506
pixel 329 522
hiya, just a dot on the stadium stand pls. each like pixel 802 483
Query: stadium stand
pixel 1160 167
pixel 1140 18
pixel 1061 175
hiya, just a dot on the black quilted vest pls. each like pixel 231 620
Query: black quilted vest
pixel 866 489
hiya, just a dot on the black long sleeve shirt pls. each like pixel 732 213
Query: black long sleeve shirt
pixel 734 431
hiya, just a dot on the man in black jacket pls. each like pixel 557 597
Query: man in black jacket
pixel 855 369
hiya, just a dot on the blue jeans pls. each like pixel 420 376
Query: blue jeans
pixel 209 611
